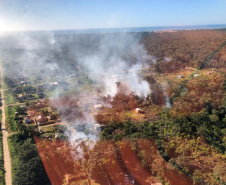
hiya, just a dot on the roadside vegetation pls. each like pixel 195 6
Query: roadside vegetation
pixel 27 167
pixel 10 118
pixel 2 171
pixel 9 99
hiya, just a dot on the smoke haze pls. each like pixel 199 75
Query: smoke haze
pixel 103 58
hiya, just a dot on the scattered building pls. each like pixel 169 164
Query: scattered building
pixel 180 76
pixel 23 107
pixel 41 119
pixel 52 117
pixel 97 127
pixel 196 75
pixel 28 120
pixel 53 83
pixel 138 110
pixel 29 96
pixel 98 106
pixel 41 94
pixel 21 97
pixel 209 72
pixel 25 82
pixel 51 86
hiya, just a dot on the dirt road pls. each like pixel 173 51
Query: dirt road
pixel 7 160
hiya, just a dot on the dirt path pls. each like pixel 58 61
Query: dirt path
pixel 7 160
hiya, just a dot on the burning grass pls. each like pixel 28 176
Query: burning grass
pixel 107 162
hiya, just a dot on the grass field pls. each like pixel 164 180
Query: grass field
pixel 2 173
pixel 8 97
pixel 10 114
pixel 13 153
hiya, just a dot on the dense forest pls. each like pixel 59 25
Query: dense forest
pixel 177 49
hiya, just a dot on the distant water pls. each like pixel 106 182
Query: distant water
pixel 119 30
pixel 139 29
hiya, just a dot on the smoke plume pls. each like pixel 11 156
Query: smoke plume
pixel 103 58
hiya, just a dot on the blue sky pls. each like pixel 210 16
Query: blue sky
pixel 83 14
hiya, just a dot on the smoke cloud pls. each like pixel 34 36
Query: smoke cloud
pixel 119 59
pixel 103 58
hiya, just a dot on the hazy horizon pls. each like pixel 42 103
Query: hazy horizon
pixel 23 15
pixel 127 29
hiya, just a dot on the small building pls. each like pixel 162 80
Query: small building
pixel 53 83
pixel 196 75
pixel 21 97
pixel 27 121
pixel 24 82
pixel 98 106
pixel 30 95
pixel 51 86
pixel 97 127
pixel 41 94
pixel 180 76
pixel 41 119
pixel 52 117
pixel 31 113
pixel 138 110
pixel 23 107
pixel 209 72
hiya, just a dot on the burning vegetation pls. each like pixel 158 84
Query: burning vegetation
pixel 131 112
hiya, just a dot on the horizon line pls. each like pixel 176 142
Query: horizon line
pixel 108 28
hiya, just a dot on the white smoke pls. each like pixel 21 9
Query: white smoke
pixel 107 58
pixel 119 59
pixel 167 99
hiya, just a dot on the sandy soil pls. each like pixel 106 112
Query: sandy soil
pixel 7 160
